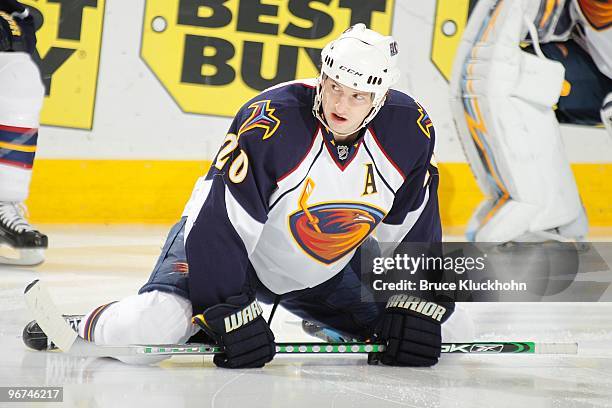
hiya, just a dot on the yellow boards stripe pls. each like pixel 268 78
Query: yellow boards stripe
pixel 122 191
pixel 155 191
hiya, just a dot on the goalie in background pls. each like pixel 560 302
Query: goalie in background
pixel 508 101
pixel 21 98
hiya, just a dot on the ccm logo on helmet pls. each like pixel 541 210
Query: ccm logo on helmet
pixel 350 70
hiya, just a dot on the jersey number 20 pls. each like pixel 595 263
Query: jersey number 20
pixel 239 163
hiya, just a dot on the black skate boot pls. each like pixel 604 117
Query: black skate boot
pixel 36 339
pixel 16 232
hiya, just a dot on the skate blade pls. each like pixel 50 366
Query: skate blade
pixel 21 257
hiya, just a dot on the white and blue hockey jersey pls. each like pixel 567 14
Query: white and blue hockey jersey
pixel 284 197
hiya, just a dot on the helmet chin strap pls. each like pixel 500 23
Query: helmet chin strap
pixel 336 133
pixel 317 108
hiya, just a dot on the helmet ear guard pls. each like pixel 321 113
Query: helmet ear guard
pixel 361 59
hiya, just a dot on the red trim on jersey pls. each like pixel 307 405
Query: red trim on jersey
pixel 314 137
pixel 307 85
pixel 16 129
pixel 341 166
pixel 15 164
pixel 385 153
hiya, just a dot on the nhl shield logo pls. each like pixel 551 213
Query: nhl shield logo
pixel 327 232
pixel 343 152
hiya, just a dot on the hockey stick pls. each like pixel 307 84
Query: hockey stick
pixel 59 331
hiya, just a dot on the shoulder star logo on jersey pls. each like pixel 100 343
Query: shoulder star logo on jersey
pixel 15 29
pixel 262 117
pixel 423 121
pixel 329 231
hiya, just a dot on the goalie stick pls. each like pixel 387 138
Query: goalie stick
pixel 51 322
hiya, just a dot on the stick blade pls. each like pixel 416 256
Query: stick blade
pixel 48 317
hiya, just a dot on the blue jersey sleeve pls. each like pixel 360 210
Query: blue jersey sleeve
pixel 416 203
pixel 409 139
pixel 227 225
pixel 224 227
pixel 415 216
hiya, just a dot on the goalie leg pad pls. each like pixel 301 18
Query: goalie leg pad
pixel 502 105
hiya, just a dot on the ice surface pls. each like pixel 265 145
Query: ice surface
pixel 92 265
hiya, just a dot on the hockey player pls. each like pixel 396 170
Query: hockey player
pixel 503 99
pixel 308 173
pixel 21 97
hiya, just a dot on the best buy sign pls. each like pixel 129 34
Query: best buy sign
pixel 214 55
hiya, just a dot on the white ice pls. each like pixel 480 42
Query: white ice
pixel 88 266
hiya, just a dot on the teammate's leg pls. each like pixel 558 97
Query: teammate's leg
pixel 21 98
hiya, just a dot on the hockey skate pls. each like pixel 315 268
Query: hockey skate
pixel 36 339
pixel 27 245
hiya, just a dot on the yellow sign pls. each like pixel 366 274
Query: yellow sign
pixel 451 19
pixel 214 55
pixel 69 42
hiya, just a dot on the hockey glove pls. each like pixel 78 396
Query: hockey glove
pixel 239 327
pixel 411 330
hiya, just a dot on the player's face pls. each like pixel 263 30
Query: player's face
pixel 344 108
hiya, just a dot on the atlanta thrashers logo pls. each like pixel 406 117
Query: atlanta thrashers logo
pixel 329 231
pixel 262 116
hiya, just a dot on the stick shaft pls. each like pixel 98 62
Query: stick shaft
pixel 356 348
pixel 84 348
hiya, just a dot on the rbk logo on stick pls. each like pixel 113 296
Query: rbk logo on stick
pixel 472 348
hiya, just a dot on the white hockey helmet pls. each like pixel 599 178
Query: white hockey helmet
pixel 361 59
